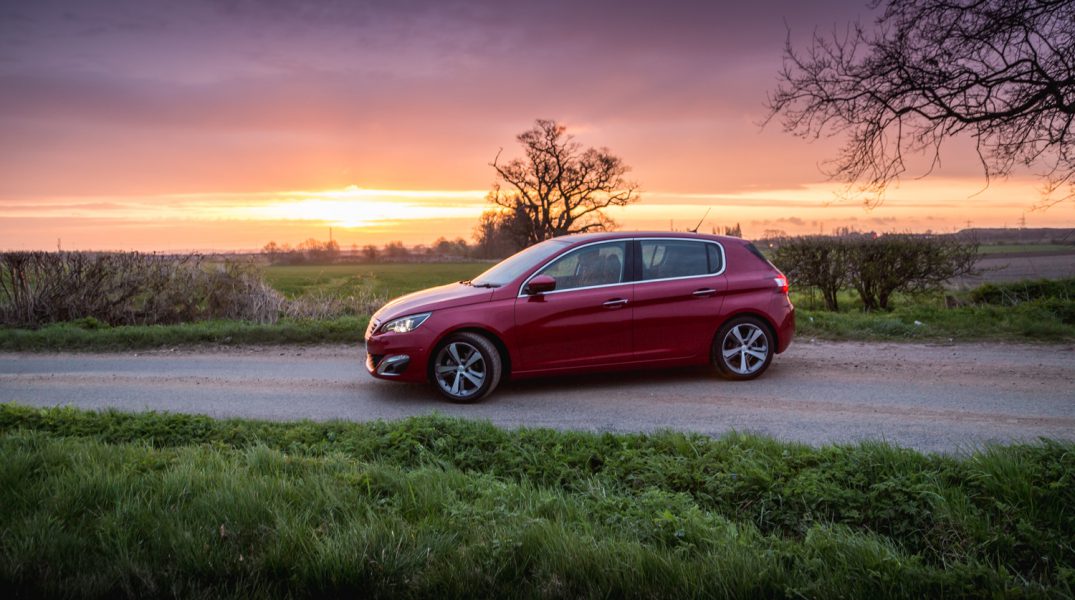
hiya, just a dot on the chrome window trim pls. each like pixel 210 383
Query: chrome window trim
pixel 723 265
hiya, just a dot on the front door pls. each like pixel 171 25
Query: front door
pixel 586 320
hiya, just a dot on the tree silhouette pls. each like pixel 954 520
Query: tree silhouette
pixel 559 188
pixel 1001 71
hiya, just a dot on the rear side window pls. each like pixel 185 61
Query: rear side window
pixel 716 260
pixel 664 259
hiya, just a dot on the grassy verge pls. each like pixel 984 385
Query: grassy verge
pixel 77 336
pixel 1025 311
pixel 1024 323
pixel 149 504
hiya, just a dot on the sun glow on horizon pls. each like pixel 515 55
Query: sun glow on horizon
pixel 244 220
pixel 356 207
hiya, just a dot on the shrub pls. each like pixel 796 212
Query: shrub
pixel 882 266
pixel 815 261
pixel 875 267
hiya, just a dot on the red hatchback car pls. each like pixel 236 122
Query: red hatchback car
pixel 589 302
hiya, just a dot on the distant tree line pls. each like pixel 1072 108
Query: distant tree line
pixel 310 251
pixel 874 266
pixel 316 252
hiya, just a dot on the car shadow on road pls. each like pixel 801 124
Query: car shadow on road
pixel 614 383
pixel 613 380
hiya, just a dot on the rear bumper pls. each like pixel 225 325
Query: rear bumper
pixel 785 331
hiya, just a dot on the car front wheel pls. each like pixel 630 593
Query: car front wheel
pixel 466 367
pixel 743 348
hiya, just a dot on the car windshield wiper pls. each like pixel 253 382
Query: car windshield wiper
pixel 479 285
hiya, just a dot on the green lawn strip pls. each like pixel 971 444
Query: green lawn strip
pixel 152 504
pixel 76 336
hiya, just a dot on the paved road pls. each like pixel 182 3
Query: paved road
pixel 930 397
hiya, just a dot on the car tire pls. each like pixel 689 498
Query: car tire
pixel 743 348
pixel 466 367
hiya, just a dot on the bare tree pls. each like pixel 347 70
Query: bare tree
pixel 559 188
pixel 1000 71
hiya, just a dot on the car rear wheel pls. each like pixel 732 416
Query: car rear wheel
pixel 743 348
pixel 466 367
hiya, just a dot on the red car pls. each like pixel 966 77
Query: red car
pixel 589 302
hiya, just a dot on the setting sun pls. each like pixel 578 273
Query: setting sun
pixel 354 207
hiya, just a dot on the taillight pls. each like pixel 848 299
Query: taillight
pixel 781 283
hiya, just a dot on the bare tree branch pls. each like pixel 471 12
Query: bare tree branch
pixel 1001 71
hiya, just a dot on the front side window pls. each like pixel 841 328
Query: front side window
pixel 665 259
pixel 600 264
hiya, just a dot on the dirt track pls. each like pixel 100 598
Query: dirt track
pixel 931 397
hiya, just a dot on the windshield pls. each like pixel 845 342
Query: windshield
pixel 518 263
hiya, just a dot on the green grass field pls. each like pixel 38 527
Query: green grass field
pixel 1024 248
pixel 112 504
pixel 387 280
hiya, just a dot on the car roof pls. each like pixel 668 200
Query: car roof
pixel 576 238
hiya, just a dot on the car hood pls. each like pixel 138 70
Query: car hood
pixel 445 296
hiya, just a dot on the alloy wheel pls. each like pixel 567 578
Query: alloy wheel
pixel 460 370
pixel 745 349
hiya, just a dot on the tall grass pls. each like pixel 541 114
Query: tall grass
pixel 130 288
pixel 122 504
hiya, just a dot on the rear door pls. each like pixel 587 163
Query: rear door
pixel 586 320
pixel 678 297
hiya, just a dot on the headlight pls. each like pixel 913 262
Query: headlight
pixel 404 324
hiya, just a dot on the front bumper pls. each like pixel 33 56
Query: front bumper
pixel 392 365
pixel 399 356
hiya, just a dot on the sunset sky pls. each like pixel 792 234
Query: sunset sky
pixel 225 124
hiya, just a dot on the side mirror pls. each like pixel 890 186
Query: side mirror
pixel 540 285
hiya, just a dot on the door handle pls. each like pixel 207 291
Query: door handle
pixel 704 292
pixel 615 302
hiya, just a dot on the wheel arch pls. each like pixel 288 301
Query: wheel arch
pixel 492 336
pixel 749 313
